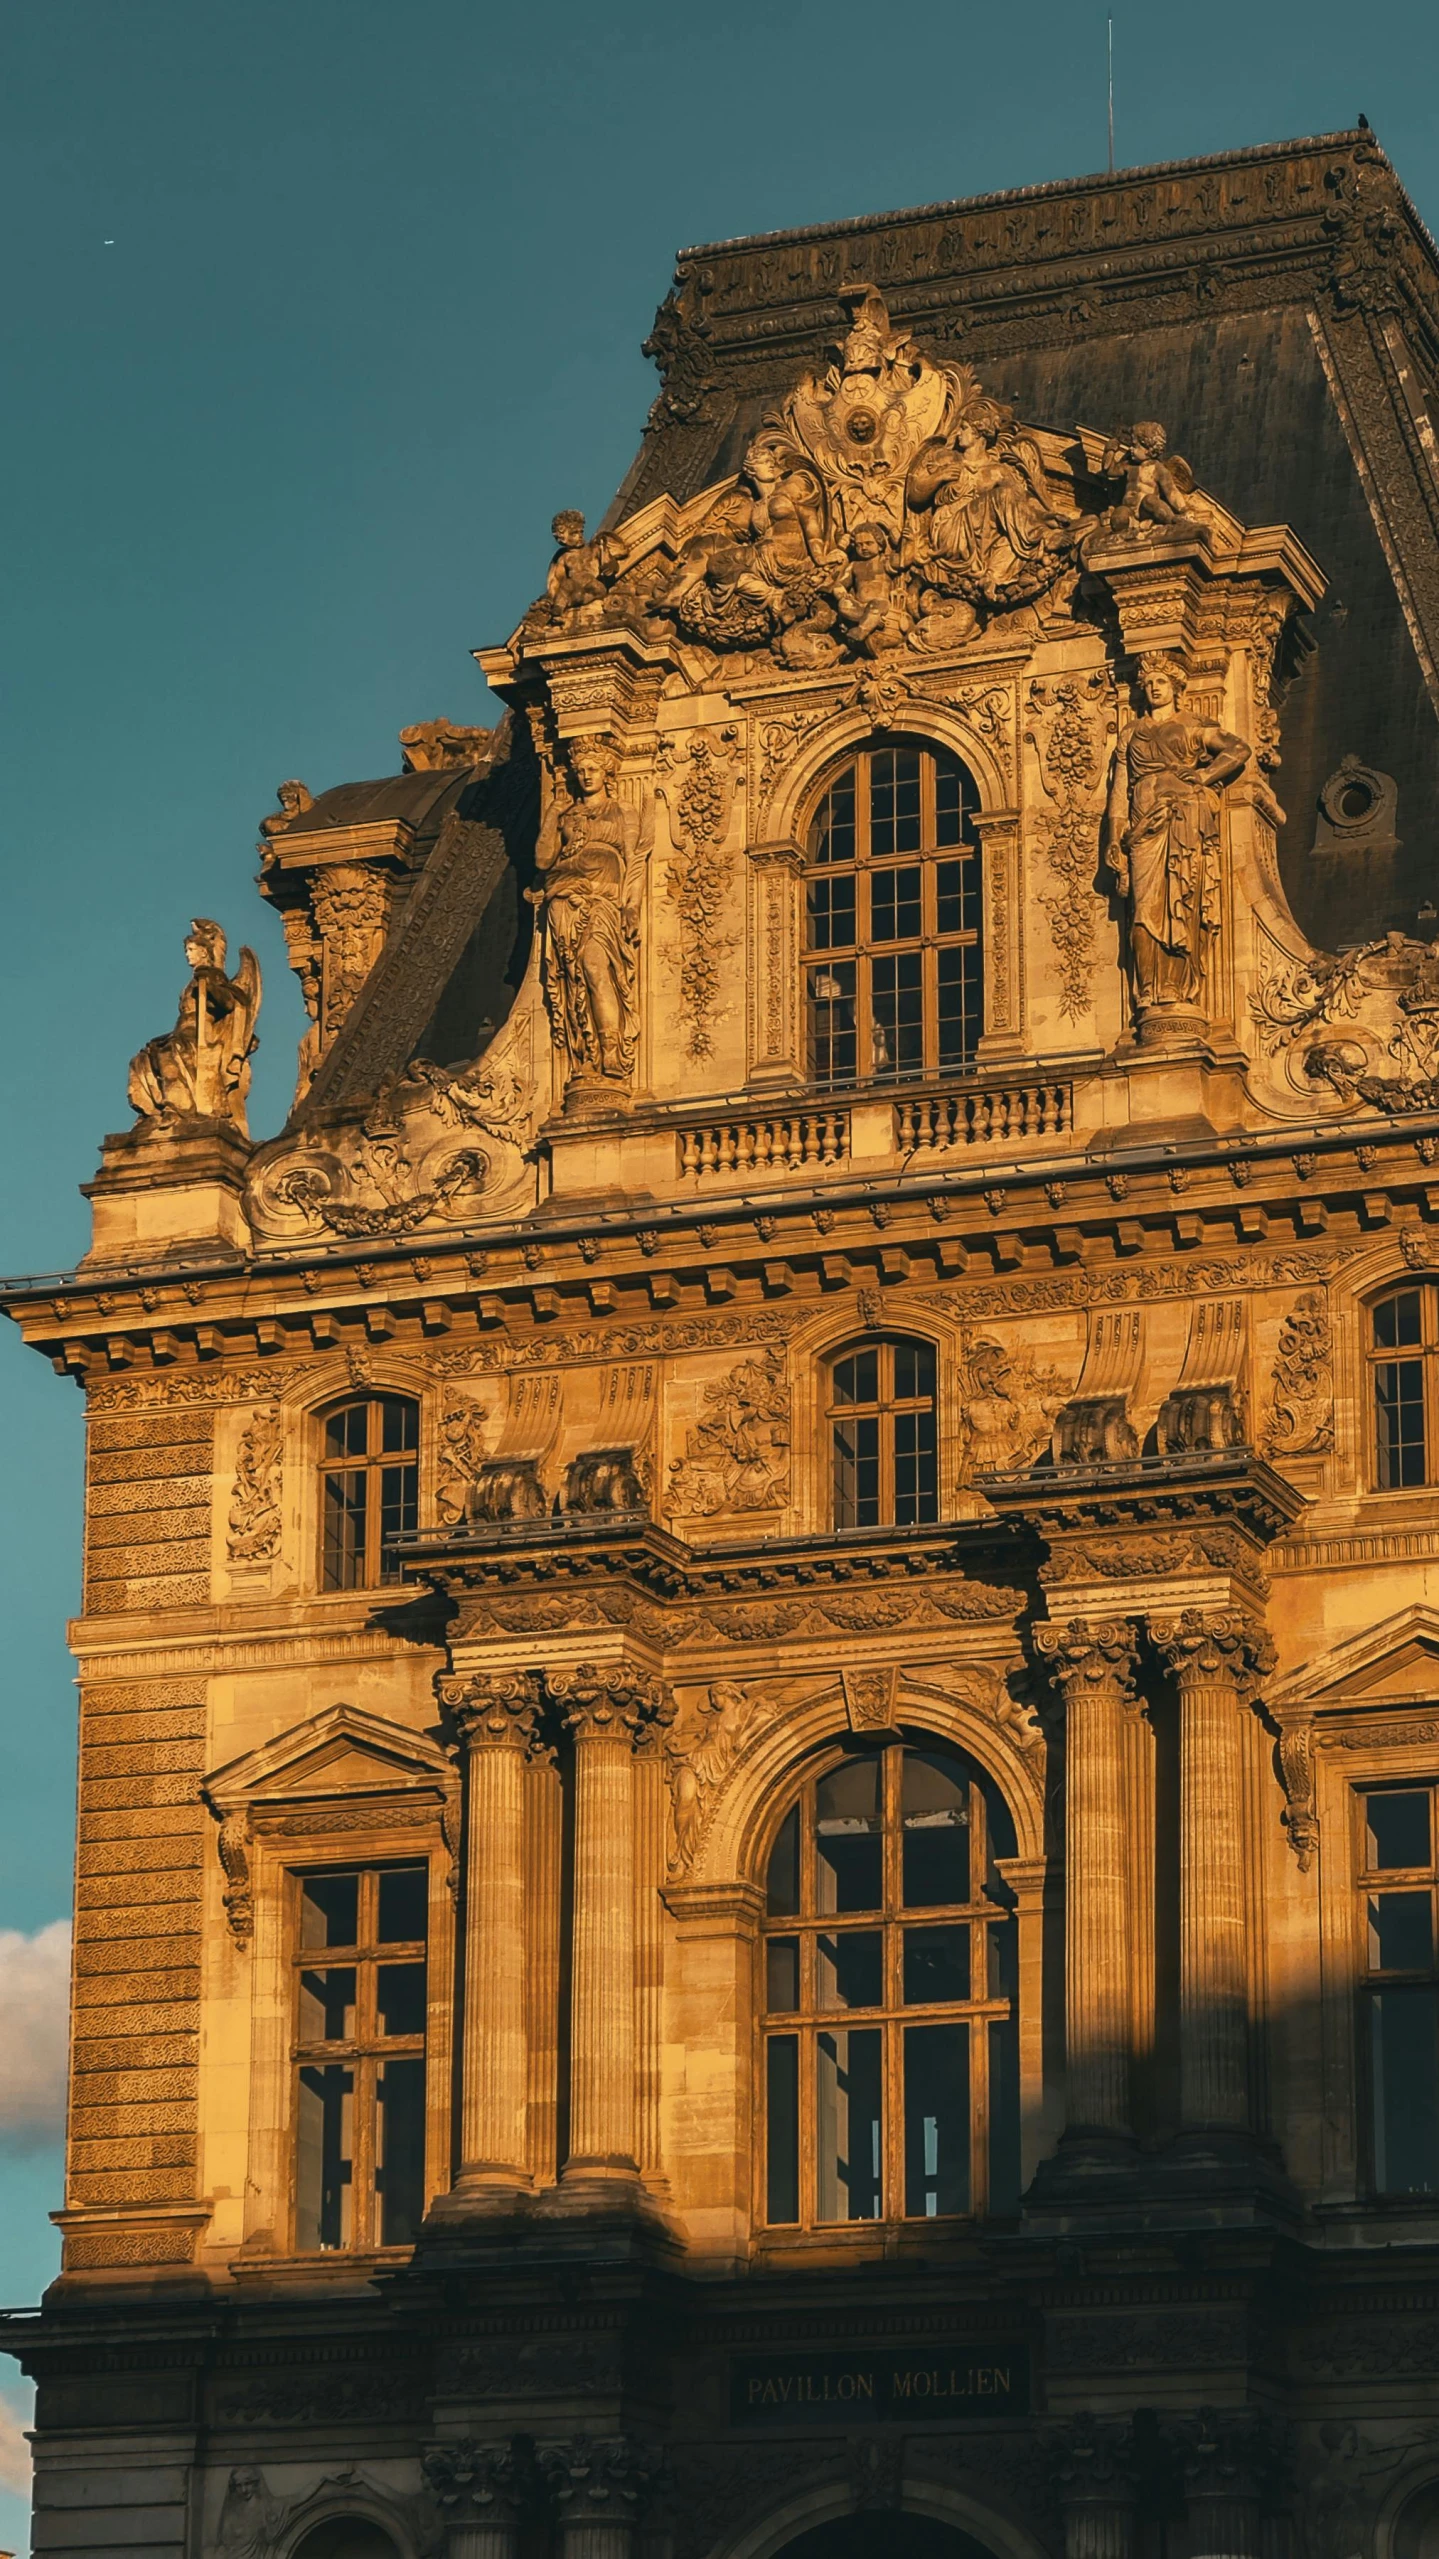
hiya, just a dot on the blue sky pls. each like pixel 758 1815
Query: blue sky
pixel 317 309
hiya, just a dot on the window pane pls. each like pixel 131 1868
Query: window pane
pixel 833 836
pixel 916 1469
pixel 324 2158
pixel 1003 1960
pixel 344 1513
pixel 400 2151
pixel 399 1510
pixel 897 1009
pixel 936 2120
pixel 345 1431
pixel 913 1369
pixel 783 1892
pixel 831 913
pixel 1399 1320
pixel 894 800
pixel 961 1002
pixel 1398 1830
pixel 782 2128
pixel 896 905
pixel 848 2143
pixel 400 1999
pixel 782 1974
pixel 1003 2115
pixel 849 1969
pixel 832 1047
pixel 856 1474
pixel 957 897
pixel 936 1965
pixel 935 1818
pixel 856 1380
pixel 1405 2058
pixel 954 797
pixel 404 1905
pixel 1399 1414
pixel 848 1848
pixel 330 1910
pixel 327 2006
pixel 400 1424
pixel 1401 1933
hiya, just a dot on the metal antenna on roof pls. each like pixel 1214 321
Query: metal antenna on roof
pixel 1111 97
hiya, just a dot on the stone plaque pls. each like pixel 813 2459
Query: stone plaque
pixel 973 2379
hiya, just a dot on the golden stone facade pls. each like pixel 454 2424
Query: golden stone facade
pixel 760 1673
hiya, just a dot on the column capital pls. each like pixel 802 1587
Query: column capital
pixel 1207 1647
pixel 488 2483
pixel 1088 1653
pixel 1092 2459
pixel 609 1701
pixel 598 2479
pixel 493 1709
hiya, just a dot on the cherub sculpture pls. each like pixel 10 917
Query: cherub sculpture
pixel 1158 485
pixel 201 1069
pixel 580 572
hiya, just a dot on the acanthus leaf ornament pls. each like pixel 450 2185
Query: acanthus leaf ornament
pixel 699 799
pixel 1063 731
pixel 253 1527
pixel 1300 1421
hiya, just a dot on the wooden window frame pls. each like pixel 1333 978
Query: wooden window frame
pixel 1424 1354
pixel 864 866
pixel 372 1466
pixel 364 2052
pixel 1374 1979
pixel 886 1409
pixel 809 2020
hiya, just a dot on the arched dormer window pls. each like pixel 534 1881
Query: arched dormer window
pixel 894 970
pixel 891 1995
pixel 369 1488
pixel 883 1435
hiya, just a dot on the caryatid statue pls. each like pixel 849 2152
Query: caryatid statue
pixel 1163 837
pixel 201 1069
pixel 591 929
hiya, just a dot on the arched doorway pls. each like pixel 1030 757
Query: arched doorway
pixel 884 2536
pixel 346 2537
pixel 1416 2530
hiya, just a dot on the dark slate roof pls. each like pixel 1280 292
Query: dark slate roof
pixel 1277 308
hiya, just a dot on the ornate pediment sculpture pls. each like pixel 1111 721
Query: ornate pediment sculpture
pixel 1365 1024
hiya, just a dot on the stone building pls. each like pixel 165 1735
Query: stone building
pixel 760 1671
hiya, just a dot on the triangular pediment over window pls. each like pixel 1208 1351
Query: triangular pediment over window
pixel 341 1752
pixel 1393 1664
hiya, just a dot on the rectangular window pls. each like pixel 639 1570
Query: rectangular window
pixel 359 2054
pixel 850 2156
pixel 1404 1369
pixel 936 2120
pixel 1398 1883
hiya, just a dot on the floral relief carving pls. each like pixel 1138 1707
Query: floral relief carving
pixel 1300 1421
pixel 413 1159
pixel 736 1454
pixel 253 1529
pixel 351 908
pixel 1339 1022
pixel 1064 730
pixel 699 797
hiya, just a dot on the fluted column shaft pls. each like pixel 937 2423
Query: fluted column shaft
pixel 496 1714
pixel 1092 1665
pixel 1215 1656
pixel 606 1712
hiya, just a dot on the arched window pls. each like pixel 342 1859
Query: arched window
pixel 1404 1367
pixel 891 1996
pixel 882 1435
pixel 893 967
pixel 369 1489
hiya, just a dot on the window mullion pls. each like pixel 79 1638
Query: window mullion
pixel 364 2220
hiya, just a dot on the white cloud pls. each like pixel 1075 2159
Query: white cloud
pixel 34 2021
pixel 14 2450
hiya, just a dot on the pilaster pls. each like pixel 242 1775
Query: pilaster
pixel 1092 1664
pixel 496 1714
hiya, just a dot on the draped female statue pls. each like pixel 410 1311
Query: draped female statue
pixel 1169 774
pixel 591 932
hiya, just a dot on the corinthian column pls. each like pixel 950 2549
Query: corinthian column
pixel 606 1710
pixel 496 1714
pixel 483 2491
pixel 1092 1664
pixel 1217 1657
